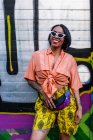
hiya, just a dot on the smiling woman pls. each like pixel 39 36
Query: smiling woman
pixel 61 33
pixel 57 82
pixel 33 20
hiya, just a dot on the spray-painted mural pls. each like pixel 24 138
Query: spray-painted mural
pixel 24 28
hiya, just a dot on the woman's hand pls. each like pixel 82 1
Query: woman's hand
pixel 78 115
pixel 49 101
pixel 36 86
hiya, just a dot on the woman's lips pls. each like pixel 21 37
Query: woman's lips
pixel 55 40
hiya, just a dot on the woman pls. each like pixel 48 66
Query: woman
pixel 53 72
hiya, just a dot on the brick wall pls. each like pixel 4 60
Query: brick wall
pixel 75 14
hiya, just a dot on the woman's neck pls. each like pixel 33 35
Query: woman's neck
pixel 56 51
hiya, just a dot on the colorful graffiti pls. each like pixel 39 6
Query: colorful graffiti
pixel 23 35
pixel 10 35
pixel 19 126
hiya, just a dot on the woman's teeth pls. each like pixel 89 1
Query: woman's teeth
pixel 55 41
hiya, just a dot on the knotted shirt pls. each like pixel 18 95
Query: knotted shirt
pixel 64 72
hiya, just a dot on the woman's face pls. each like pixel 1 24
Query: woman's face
pixel 57 37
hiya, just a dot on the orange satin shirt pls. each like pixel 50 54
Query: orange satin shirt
pixel 41 69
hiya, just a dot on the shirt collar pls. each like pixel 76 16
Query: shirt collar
pixel 49 51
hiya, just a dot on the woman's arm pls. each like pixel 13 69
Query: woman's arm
pixel 78 116
pixel 37 87
pixel 77 96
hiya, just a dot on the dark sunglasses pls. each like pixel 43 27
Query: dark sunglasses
pixel 60 35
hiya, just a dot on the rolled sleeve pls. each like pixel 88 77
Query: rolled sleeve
pixel 30 72
pixel 75 82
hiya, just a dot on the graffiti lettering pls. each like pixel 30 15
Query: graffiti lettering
pixel 10 35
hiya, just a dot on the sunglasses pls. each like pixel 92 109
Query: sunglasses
pixel 60 35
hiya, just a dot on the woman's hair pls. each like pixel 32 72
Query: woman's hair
pixel 67 38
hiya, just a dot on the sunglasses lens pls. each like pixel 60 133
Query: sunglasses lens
pixel 60 35
pixel 53 33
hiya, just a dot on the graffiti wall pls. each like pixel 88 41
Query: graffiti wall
pixel 24 28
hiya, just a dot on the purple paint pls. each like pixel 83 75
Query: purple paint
pixel 8 121
pixel 21 137
pixel 86 102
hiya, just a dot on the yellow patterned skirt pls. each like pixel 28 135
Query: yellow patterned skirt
pixel 45 118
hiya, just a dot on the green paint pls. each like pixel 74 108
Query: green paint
pixel 47 138
pixel 89 122
pixel 5 136
pixel 54 133
pixel 80 135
